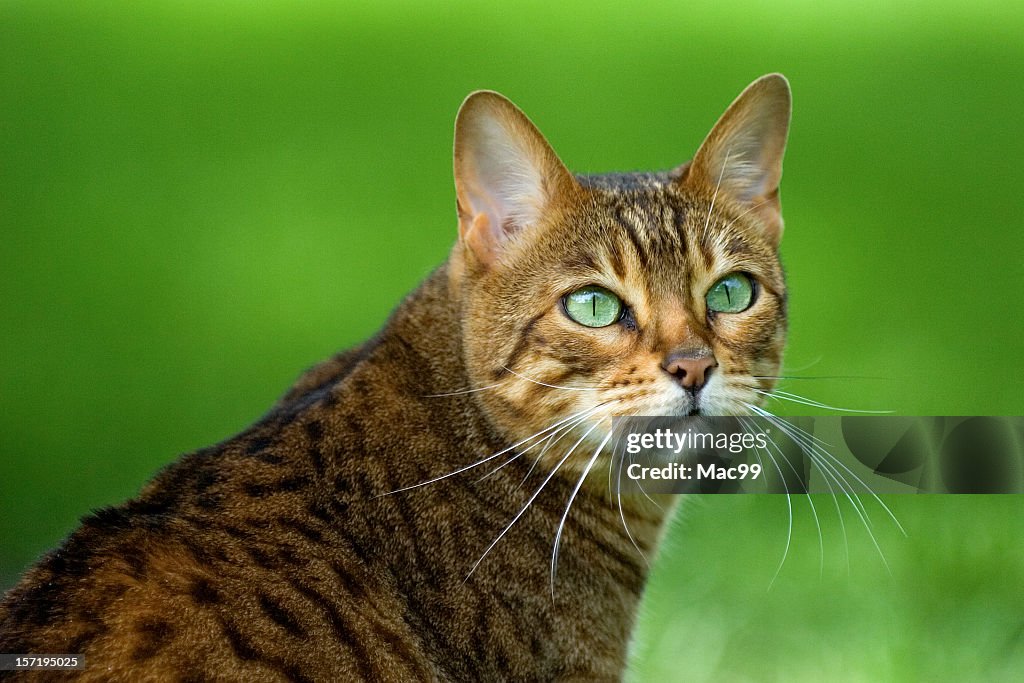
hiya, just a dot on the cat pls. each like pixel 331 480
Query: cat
pixel 426 506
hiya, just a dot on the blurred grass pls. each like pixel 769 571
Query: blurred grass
pixel 198 200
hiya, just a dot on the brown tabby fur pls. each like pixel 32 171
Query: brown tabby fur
pixel 275 555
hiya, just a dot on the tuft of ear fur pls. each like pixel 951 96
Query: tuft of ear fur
pixel 742 155
pixel 506 174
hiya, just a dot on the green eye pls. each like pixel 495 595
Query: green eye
pixel 732 294
pixel 593 306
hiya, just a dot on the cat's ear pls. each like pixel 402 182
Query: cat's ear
pixel 742 155
pixel 506 174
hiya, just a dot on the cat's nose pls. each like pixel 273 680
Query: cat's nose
pixel 691 369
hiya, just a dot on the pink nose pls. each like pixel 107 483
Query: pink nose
pixel 691 370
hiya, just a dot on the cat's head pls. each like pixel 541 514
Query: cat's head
pixel 626 294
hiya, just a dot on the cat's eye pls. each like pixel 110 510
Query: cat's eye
pixel 593 306
pixel 732 294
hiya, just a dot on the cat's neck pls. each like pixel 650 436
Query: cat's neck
pixel 458 541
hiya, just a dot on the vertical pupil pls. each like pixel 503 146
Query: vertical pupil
pixel 593 303
pixel 727 295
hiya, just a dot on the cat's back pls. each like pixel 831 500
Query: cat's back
pixel 237 560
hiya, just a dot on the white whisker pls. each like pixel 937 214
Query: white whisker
pixel 752 208
pixel 810 501
pixel 810 449
pixel 786 396
pixel 789 526
pixel 491 457
pixel 714 197
pixel 549 445
pixel 561 524
pixel 805 366
pixel 551 386
pixel 835 501
pixel 643 490
pixel 826 476
pixel 530 501
pixel 802 439
pixel 464 391
pixel 622 514
pixel 854 475
pixel 788 377
pixel 818 455
pixel 560 432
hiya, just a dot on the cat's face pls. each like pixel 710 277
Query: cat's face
pixel 643 294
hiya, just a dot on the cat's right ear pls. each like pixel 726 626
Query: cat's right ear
pixel 506 174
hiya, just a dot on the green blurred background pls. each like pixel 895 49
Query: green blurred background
pixel 200 199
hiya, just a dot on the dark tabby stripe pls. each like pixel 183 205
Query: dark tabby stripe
pixel 302 528
pixel 281 616
pixel 247 651
pixel 521 345
pixel 258 444
pixel 286 485
pixel 678 220
pixel 204 592
pixel 154 634
pixel 341 630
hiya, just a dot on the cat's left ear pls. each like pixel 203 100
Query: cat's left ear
pixel 742 155
pixel 506 174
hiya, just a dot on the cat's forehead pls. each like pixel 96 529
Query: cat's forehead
pixel 625 182
pixel 641 228
pixel 663 224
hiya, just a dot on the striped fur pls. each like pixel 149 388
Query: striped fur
pixel 303 549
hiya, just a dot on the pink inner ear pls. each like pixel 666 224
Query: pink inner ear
pixel 491 222
pixel 505 170
pixel 738 163
pixel 479 238
pixel 506 174
pixel 508 183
